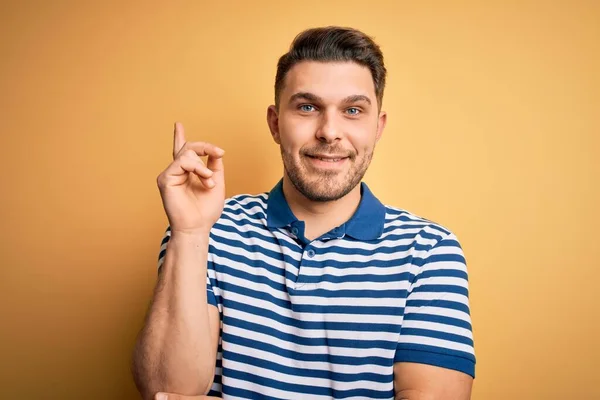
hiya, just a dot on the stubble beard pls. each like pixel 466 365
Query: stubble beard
pixel 325 186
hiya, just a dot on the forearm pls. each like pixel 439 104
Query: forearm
pixel 175 351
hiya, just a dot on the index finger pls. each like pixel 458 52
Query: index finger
pixel 178 138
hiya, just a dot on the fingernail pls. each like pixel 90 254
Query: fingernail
pixel 161 396
pixel 210 183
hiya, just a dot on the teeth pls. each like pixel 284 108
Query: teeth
pixel 330 159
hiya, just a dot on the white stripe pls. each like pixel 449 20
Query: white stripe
pixel 353 271
pixel 322 256
pixel 456 297
pixel 434 326
pixel 266 391
pixel 445 312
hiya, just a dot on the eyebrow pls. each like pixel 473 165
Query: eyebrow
pixel 355 98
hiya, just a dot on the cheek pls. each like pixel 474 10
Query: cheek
pixel 296 132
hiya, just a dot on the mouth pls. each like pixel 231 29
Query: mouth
pixel 327 158
pixel 327 162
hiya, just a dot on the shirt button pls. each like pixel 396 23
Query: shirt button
pixel 310 253
pixel 295 231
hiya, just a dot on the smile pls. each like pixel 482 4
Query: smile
pixel 328 159
pixel 323 161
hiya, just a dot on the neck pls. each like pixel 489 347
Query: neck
pixel 320 217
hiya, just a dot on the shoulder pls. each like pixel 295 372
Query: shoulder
pixel 246 202
pixel 248 205
pixel 424 233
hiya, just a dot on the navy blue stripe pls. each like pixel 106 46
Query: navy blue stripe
pixel 435 349
pixel 465 364
pixel 449 243
pixel 397 278
pixel 215 393
pixel 432 288
pixel 165 238
pixel 350 309
pixel 452 273
pixel 429 235
pixel 451 305
pixel 351 293
pixel 445 257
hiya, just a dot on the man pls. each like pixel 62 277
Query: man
pixel 314 290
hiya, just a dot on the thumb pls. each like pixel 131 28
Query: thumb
pixel 215 164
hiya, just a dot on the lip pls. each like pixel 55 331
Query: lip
pixel 327 161
pixel 327 156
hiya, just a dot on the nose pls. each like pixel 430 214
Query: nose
pixel 329 129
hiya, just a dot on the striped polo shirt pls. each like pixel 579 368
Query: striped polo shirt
pixel 328 318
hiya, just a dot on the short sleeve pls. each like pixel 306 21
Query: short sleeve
pixel 436 329
pixel 210 294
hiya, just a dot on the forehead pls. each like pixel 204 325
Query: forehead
pixel 329 80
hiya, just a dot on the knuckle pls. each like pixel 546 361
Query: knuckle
pixel 190 154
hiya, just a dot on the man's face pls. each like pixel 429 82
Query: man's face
pixel 327 126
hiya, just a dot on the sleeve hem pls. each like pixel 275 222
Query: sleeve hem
pixel 436 359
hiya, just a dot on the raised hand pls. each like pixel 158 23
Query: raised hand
pixel 193 193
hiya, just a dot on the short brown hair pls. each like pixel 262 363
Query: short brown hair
pixel 331 44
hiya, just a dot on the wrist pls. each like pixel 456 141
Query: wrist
pixel 191 234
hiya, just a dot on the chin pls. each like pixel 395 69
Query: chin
pixel 323 190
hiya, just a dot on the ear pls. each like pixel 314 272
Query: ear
pixel 381 125
pixel 273 121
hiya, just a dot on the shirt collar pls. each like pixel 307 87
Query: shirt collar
pixel 366 223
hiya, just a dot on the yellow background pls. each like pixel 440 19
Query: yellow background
pixel 494 111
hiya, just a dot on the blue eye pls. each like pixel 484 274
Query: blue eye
pixel 353 111
pixel 306 108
